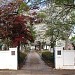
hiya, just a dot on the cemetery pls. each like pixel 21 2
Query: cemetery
pixel 37 37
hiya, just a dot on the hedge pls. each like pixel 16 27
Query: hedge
pixel 48 56
pixel 22 57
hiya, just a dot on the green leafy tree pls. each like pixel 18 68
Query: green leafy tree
pixel 59 21
pixel 13 26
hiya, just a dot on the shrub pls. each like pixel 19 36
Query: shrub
pixel 48 56
pixel 22 57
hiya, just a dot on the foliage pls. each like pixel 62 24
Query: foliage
pixel 14 25
pixel 60 2
pixel 41 15
pixel 59 21
pixel 22 58
pixel 32 32
pixel 17 29
pixel 48 56
pixel 73 17
pixel 23 6
pixel 73 40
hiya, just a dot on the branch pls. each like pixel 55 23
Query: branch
pixel 69 5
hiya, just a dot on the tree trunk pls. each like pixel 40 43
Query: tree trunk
pixel 35 47
pixel 18 54
pixel 46 46
pixel 53 45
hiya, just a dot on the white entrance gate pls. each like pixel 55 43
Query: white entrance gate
pixel 8 59
pixel 64 59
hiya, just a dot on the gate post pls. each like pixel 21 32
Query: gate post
pixel 58 57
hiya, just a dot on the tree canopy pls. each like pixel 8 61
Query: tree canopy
pixel 60 19
pixel 13 25
pixel 58 14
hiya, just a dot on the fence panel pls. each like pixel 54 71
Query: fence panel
pixel 68 57
pixel 8 59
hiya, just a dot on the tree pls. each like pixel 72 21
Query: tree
pixel 59 21
pixel 13 25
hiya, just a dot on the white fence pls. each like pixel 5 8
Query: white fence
pixel 64 59
pixel 8 59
